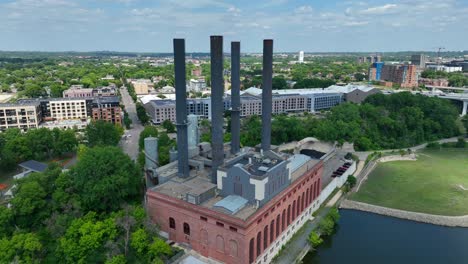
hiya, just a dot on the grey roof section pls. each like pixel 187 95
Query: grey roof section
pixel 163 102
pixel 34 165
pixel 297 160
pixel 232 203
pixel 20 103
pixel 106 100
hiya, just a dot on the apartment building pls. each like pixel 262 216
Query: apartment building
pixel 78 91
pixel 405 75
pixel 21 115
pixel 107 109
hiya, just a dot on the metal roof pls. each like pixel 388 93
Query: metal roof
pixel 34 165
pixel 232 203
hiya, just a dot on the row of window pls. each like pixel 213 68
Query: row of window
pixel 278 225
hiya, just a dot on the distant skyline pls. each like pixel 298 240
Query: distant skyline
pixel 312 26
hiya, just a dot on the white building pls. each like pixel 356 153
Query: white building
pixel 444 68
pixel 197 85
pixel 301 56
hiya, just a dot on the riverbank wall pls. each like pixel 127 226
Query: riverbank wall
pixel 451 221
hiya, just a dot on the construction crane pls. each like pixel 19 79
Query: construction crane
pixel 438 54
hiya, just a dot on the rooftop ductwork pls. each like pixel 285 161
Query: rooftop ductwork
pixel 235 97
pixel 266 93
pixel 217 107
pixel 181 107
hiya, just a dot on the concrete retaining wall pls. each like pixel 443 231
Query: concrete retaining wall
pixel 461 221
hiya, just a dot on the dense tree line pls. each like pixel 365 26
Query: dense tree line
pixel 39 144
pixel 102 133
pixel 383 121
pixel 86 215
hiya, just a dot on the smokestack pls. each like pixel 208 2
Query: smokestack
pixel 217 108
pixel 266 93
pixel 235 97
pixel 181 107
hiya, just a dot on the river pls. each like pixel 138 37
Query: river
pixel 363 238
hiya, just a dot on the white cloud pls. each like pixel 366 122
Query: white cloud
pixel 304 9
pixel 379 10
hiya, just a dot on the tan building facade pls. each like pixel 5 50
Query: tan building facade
pixel 22 116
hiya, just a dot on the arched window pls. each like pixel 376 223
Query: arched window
pixel 307 197
pixel 220 243
pixel 204 236
pixel 298 206
pixel 172 223
pixel 289 214
pixel 251 250
pixel 233 248
pixel 277 226
pixel 265 237
pixel 294 210
pixel 259 243
pixel 283 220
pixel 302 202
pixel 272 231
pixel 186 229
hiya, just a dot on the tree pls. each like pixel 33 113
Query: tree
pixel 119 259
pixel 351 181
pixel 126 222
pixel 28 203
pixel 314 239
pixel 461 143
pixel 326 226
pixel 167 124
pixel 101 133
pixel 159 248
pixel 140 241
pixel 141 113
pixel 21 248
pixel 104 178
pixel 148 131
pixel 85 238
pixel 278 82
pixel 334 214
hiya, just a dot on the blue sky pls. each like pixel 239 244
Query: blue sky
pixel 314 25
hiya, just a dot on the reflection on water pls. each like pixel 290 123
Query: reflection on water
pixel 363 238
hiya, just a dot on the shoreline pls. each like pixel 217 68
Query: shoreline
pixel 441 220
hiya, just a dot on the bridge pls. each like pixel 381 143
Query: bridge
pixel 433 88
pixel 452 96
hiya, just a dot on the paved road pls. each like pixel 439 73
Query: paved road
pixel 130 143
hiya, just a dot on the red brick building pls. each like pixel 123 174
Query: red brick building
pixel 107 109
pixel 231 239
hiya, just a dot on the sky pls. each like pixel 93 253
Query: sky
pixel 309 25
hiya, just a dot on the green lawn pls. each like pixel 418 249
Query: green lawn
pixel 428 185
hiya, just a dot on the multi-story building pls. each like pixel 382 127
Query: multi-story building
pixel 301 57
pixel 402 74
pixel 444 68
pixel 434 82
pixel 110 90
pixel 419 60
pixel 370 59
pixel 78 91
pixel 375 71
pixel 197 85
pixel 284 101
pixel 141 86
pixel 20 115
pixel 107 109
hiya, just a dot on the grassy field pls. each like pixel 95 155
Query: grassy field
pixel 433 184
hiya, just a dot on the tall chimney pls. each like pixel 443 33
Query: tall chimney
pixel 266 93
pixel 217 108
pixel 181 107
pixel 235 97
